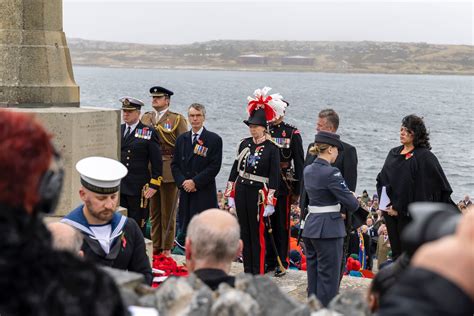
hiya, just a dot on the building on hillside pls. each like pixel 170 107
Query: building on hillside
pixel 253 60
pixel 297 60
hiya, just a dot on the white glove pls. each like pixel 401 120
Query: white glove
pixel 269 210
pixel 230 202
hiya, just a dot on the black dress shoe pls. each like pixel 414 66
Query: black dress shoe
pixel 279 272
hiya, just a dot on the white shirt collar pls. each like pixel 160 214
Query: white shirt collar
pixel 132 127
pixel 198 132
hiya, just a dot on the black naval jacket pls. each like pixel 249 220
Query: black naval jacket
pixel 346 162
pixel 288 138
pixel 137 151
pixel 262 160
pixel 201 163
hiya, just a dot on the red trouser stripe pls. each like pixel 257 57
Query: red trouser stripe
pixel 261 236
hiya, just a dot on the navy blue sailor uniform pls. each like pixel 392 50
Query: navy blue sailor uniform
pixel 256 167
pixel 324 228
pixel 127 246
pixel 200 161
pixel 141 154
pixel 288 139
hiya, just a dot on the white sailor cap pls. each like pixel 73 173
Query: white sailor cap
pixel 101 175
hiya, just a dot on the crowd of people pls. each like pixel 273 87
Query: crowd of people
pixel 280 209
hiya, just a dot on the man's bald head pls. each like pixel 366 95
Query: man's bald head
pixel 214 236
pixel 66 238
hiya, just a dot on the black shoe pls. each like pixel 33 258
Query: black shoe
pixel 279 272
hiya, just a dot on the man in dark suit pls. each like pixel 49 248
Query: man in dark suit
pixel 139 149
pixel 346 162
pixel 211 259
pixel 195 165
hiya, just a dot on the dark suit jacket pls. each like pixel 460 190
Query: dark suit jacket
pixel 136 154
pixel 214 277
pixel 346 162
pixel 201 169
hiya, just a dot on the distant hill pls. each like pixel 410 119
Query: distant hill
pixel 341 57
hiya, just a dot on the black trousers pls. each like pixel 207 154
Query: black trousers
pixel 281 230
pixel 395 227
pixel 252 228
pixel 132 204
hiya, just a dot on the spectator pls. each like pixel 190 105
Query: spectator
pixel 467 200
pixel 35 279
pixel 383 245
pixel 66 238
pixel 365 198
pixel 212 243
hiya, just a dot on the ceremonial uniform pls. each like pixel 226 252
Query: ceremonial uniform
pixel 288 139
pixel 200 161
pixel 127 246
pixel 254 178
pixel 139 149
pixel 324 229
pixel 163 205
pixel 256 165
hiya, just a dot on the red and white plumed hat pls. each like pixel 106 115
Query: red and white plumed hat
pixel 273 104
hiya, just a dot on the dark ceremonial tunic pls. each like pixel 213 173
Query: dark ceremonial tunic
pixel 262 160
pixel 214 277
pixel 139 150
pixel 127 250
pixel 411 177
pixel 288 139
pixel 200 162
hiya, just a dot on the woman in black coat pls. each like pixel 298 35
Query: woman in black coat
pixel 411 173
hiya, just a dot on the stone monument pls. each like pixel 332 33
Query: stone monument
pixel 36 77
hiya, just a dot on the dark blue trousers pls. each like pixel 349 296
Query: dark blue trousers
pixel 323 260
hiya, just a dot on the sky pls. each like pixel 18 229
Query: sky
pixel 182 22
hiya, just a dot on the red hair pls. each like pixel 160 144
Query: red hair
pixel 25 155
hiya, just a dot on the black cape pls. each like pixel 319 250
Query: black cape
pixel 412 177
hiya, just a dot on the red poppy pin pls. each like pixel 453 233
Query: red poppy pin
pixel 408 155
pixel 124 241
pixel 200 142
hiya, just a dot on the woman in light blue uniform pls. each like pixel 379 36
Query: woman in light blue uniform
pixel 324 229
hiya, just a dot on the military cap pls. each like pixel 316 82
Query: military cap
pixel 157 91
pixel 129 103
pixel 101 175
pixel 329 138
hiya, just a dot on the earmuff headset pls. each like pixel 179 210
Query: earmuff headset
pixel 50 185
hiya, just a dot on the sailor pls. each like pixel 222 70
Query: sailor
pixel 110 238
pixel 288 139
pixel 169 126
pixel 139 149
pixel 254 178
pixel 324 229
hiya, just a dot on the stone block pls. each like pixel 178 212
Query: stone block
pixel 79 133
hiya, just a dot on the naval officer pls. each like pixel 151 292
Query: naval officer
pixel 324 229
pixel 139 149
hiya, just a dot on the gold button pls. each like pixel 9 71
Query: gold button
pixel 128 158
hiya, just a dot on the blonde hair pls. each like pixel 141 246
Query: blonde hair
pixel 318 148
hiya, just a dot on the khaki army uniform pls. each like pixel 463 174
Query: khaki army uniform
pixel 163 205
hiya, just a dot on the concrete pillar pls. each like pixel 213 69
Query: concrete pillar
pixel 35 62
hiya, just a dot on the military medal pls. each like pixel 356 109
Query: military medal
pixel 168 125
pixel 200 150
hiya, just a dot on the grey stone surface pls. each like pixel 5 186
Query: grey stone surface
pixel 125 279
pixel 231 302
pixel 35 62
pixel 79 133
pixel 350 303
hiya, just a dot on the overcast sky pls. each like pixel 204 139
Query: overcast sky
pixel 179 22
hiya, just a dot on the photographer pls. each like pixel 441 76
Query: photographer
pixel 444 269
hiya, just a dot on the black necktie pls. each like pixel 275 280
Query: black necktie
pixel 127 133
pixel 195 138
